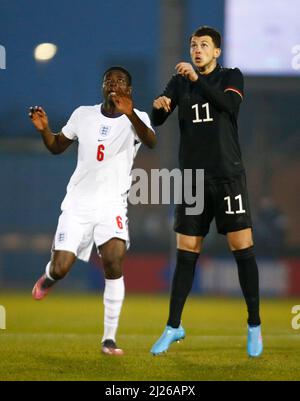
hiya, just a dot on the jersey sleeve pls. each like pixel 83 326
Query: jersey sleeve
pixel 158 117
pixel 70 130
pixel 171 89
pixel 223 98
pixel 234 82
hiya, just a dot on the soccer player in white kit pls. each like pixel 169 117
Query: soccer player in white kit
pixel 94 209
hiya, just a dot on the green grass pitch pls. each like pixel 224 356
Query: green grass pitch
pixel 59 339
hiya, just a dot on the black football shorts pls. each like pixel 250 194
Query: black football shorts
pixel 226 200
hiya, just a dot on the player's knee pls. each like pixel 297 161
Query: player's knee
pixel 191 244
pixel 112 267
pixel 240 239
pixel 59 269
pixel 239 244
pixel 190 248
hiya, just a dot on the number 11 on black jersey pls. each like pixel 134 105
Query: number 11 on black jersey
pixel 198 119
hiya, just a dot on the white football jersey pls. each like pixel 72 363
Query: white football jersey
pixel 106 150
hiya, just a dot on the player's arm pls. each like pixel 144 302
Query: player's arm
pixel 145 134
pixel 227 100
pixel 165 104
pixel 124 104
pixel 55 143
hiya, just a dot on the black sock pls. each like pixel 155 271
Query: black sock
pixel 181 285
pixel 248 277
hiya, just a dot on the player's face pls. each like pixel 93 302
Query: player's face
pixel 203 51
pixel 114 81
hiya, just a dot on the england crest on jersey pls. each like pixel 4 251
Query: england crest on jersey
pixel 104 132
pixel 61 237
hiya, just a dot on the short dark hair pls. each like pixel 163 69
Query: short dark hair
pixel 207 30
pixel 119 68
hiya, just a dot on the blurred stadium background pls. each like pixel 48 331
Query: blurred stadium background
pixel 148 38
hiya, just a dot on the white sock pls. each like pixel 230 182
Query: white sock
pixel 48 272
pixel 113 297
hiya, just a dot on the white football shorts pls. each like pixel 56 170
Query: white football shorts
pixel 77 232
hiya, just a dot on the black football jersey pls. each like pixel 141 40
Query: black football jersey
pixel 207 112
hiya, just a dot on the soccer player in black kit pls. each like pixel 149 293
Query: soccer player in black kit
pixel 208 98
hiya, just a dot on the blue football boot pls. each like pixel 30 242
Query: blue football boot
pixel 254 341
pixel 168 337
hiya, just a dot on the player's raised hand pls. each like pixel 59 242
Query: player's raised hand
pixel 187 70
pixel 122 100
pixel 162 102
pixel 39 118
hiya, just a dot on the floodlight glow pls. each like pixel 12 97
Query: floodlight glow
pixel 45 51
